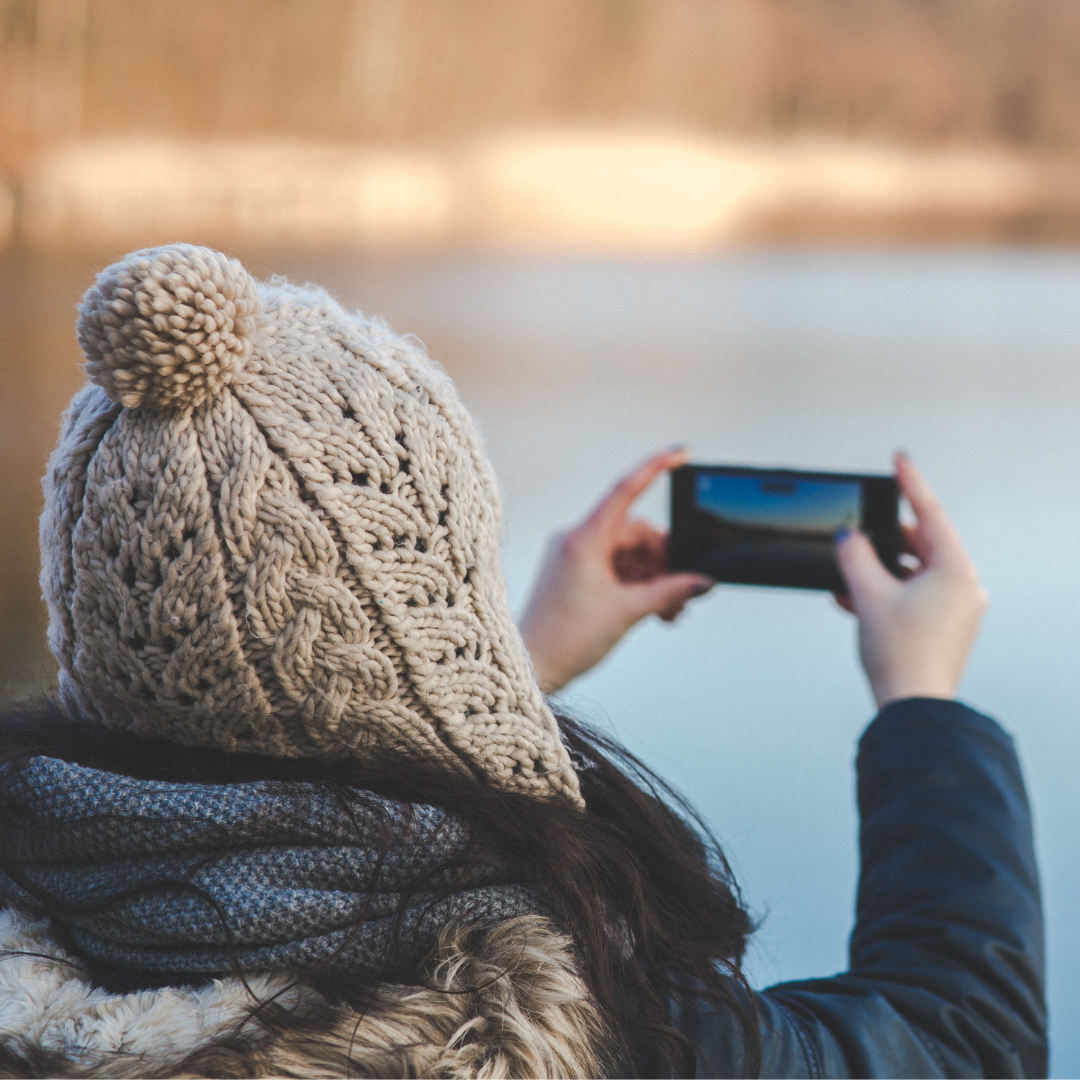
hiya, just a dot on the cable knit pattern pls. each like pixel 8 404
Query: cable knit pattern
pixel 280 534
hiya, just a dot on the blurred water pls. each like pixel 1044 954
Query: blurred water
pixel 751 704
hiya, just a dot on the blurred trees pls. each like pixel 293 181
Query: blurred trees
pixel 912 71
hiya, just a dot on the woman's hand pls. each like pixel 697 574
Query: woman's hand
pixel 915 635
pixel 599 579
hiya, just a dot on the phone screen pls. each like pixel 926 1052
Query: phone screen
pixel 775 527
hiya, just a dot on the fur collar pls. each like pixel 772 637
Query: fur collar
pixel 505 1001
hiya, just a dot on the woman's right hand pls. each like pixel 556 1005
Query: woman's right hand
pixel 601 578
pixel 915 635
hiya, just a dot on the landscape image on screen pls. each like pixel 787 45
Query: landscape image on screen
pixel 773 529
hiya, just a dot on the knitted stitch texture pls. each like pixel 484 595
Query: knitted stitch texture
pixel 269 526
pixel 279 876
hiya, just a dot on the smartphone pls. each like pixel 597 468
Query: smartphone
pixel 777 526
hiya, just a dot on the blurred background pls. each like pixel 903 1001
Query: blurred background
pixel 797 232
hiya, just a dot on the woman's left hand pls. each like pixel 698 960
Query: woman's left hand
pixel 599 579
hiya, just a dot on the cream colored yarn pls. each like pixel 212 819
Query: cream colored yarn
pixel 270 527
pixel 168 331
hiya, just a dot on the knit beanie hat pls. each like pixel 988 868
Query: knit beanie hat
pixel 269 526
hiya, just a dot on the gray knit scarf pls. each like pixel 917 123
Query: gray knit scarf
pixel 279 876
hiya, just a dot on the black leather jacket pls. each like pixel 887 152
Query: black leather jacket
pixel 946 975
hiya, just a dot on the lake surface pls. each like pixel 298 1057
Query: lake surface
pixel 752 702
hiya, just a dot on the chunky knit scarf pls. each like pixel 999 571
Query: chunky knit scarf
pixel 267 876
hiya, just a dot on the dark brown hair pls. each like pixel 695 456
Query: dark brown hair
pixel 637 879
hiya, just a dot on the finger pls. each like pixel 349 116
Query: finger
pixel 671 616
pixel 640 533
pixel 844 601
pixel 641 563
pixel 613 509
pixel 863 571
pixel 909 539
pixel 913 541
pixel 639 551
pixel 667 593
pixel 935 535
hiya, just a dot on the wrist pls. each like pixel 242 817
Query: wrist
pixel 550 682
pixel 546 670
pixel 887 691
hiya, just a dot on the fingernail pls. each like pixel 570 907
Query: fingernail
pixel 701 588
pixel 842 534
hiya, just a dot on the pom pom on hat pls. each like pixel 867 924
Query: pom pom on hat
pixel 168 328
pixel 310 569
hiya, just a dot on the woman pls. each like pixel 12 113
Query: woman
pixel 301 808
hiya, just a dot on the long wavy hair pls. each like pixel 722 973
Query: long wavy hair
pixel 637 880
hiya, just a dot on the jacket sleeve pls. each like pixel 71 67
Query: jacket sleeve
pixel 946 959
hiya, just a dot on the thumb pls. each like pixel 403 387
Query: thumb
pixel 666 593
pixel 863 571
